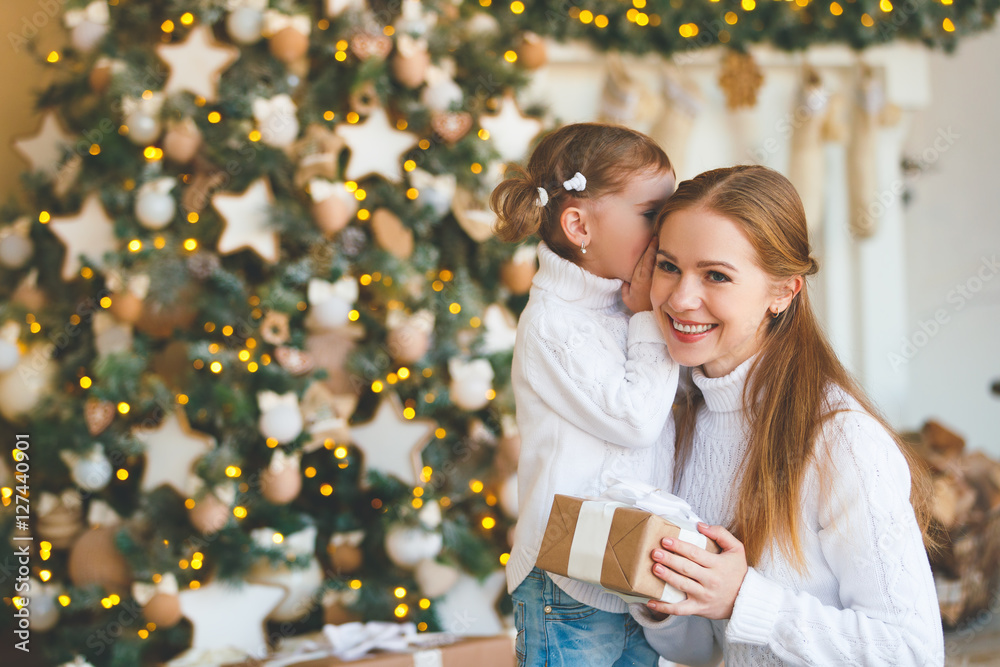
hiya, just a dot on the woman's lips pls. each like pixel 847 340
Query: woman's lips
pixel 690 332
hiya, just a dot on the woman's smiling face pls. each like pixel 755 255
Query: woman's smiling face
pixel 710 296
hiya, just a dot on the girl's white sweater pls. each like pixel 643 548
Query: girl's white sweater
pixel 593 389
pixel 867 597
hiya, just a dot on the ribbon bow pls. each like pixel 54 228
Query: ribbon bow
pixel 280 107
pixel 95 12
pixel 345 289
pixel 143 592
pixel 578 182
pixel 268 400
pixel 275 22
pixel 646 497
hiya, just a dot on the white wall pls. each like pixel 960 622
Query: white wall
pixel 952 225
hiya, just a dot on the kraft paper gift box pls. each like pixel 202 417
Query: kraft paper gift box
pixel 609 543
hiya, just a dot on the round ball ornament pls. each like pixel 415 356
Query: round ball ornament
pixel 281 482
pixel 143 128
pixel 182 141
pixel 15 250
pixel 163 609
pixel 100 75
pixel 94 559
pixel 155 207
pixel 44 610
pixel 532 52
pixel 209 514
pixel 20 391
pixel 406 546
pixel 289 45
pixel 245 25
pixel 126 307
pixel 471 383
pixel 346 558
pixel 508 496
pixel 410 63
pixel 282 422
pixel 92 471
pixel 435 579
pixel 10 355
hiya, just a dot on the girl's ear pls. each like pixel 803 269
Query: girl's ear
pixel 786 291
pixel 573 221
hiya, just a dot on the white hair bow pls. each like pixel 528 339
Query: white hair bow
pixel 578 182
pixel 543 197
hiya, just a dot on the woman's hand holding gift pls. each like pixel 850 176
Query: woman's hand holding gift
pixel 710 581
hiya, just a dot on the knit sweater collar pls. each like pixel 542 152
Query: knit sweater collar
pixel 574 284
pixel 723 394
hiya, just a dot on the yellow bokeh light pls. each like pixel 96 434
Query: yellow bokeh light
pixel 340 56
pixel 353 117
pixel 167 26
pixel 504 558
pixel 731 18
pixel 53 57
pixel 187 18
pixel 586 16
pixel 135 245
pixel 885 6
pixel 193 217
pixel 64 600
pixel 948 25
pixel 123 408
pixel 326 489
pixel 412 193
pixel 601 21
pixel 277 538
pixel 748 5
pixel 409 413
pixel 143 633
pixel 85 382
pixel 239 512
pixel 377 386
pixel 214 117
pixel 401 611
pixel 95 149
pixel 836 9
pixel 476 168
pixel 309 472
pixel 44 217
pixel 355 584
pixel 440 433
pixel 510 56
pixel 215 367
pixel 476 486
pixel 517 7
pixel 867 21
pixel 455 308
pixel 190 245
pixel 122 474
pixel 400 592
pixel 189 503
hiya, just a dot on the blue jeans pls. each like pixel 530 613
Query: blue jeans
pixel 554 630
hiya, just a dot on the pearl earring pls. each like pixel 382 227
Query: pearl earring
pixel 583 248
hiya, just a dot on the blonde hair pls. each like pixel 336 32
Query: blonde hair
pixel 607 155
pixel 792 373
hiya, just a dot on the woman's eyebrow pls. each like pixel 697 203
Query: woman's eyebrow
pixel 702 264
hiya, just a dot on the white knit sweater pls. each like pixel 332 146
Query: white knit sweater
pixel 867 597
pixel 593 389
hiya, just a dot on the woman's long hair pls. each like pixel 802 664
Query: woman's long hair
pixel 792 374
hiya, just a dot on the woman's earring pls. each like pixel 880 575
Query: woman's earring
pixel 583 248
pixel 774 314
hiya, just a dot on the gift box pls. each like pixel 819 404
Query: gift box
pixel 326 649
pixel 609 542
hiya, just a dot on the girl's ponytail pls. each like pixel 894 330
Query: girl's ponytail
pixel 519 207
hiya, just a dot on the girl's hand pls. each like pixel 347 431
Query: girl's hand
pixel 635 294
pixel 711 581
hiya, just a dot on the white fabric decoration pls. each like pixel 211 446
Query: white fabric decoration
pixel 543 195
pixel 578 182
pixel 95 12
pixel 275 22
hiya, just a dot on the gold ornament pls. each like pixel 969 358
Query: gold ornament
pixel 740 79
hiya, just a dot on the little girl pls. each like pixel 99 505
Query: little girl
pixel 593 383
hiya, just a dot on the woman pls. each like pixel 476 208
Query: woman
pixel 824 511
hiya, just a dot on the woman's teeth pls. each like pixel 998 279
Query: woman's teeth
pixel 692 328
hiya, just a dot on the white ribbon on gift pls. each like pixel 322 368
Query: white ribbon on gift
pixel 95 12
pixel 350 641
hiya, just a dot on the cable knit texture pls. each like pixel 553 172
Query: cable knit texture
pixel 867 597
pixel 593 389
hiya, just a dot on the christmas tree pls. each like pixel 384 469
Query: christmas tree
pixel 256 327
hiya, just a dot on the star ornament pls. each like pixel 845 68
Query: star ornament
pixel 171 449
pixel 197 63
pixel 45 151
pixel 392 443
pixel 511 131
pixel 228 617
pixel 376 147
pixel 248 221
pixel 88 234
